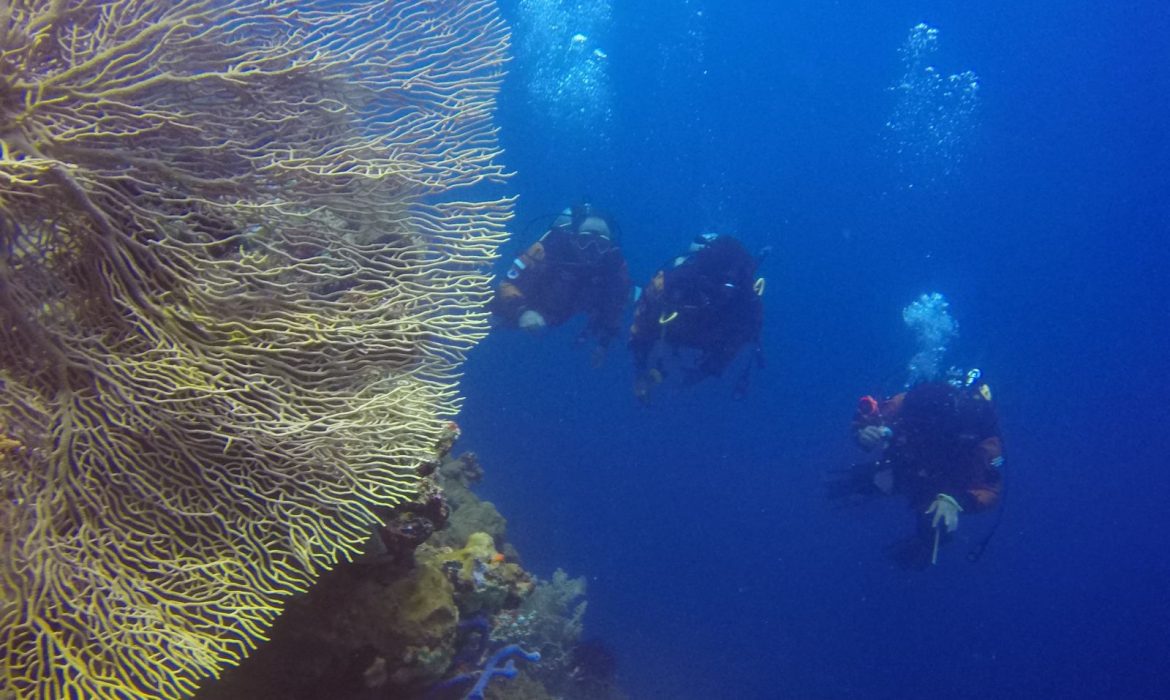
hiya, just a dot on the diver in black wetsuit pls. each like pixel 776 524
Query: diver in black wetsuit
pixel 940 447
pixel 708 301
pixel 576 267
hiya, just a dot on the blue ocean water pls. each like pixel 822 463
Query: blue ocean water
pixel 716 567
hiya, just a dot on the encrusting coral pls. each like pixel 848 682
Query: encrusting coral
pixel 235 288
pixel 425 624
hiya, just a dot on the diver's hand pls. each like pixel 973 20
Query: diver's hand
pixel 532 321
pixel 872 437
pixel 945 510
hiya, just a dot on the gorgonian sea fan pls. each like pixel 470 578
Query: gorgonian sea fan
pixel 236 283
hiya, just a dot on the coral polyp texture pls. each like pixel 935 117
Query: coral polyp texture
pixel 237 278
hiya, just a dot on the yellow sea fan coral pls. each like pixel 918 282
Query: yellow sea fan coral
pixel 235 287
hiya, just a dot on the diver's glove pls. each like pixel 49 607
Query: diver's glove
pixel 872 437
pixel 945 510
pixel 531 321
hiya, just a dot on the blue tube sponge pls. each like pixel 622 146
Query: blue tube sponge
pixel 493 668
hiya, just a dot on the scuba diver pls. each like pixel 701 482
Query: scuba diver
pixel 941 448
pixel 707 301
pixel 576 267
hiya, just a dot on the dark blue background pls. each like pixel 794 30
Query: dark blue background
pixel 715 567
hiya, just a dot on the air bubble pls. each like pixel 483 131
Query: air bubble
pixel 564 67
pixel 934 117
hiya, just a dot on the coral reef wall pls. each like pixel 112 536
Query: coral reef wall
pixel 430 619
pixel 237 277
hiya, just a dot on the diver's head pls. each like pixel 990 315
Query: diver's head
pixel 583 218
pixel 946 411
pixel 702 241
pixel 595 226
pixel 931 407
pixel 590 232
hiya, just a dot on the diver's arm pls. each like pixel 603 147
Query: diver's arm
pixel 605 321
pixel 873 422
pixel 642 337
pixel 512 298
pixel 987 487
pixel 645 330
